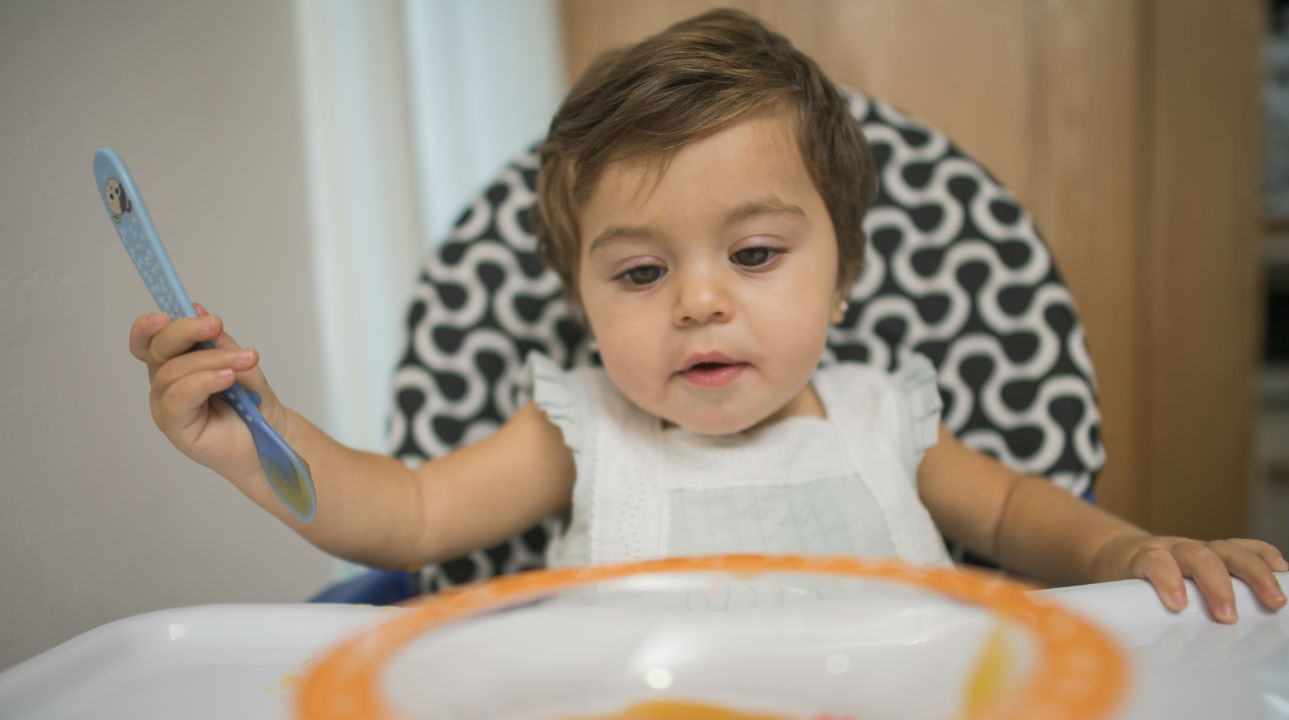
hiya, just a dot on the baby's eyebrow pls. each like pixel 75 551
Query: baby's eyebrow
pixel 738 213
pixel 768 206
pixel 618 232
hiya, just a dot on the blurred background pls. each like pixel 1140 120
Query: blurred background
pixel 300 157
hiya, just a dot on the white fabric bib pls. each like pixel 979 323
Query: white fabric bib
pixel 844 485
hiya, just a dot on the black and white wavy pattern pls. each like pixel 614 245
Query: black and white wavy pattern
pixel 955 270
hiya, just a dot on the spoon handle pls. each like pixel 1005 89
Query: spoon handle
pixel 288 473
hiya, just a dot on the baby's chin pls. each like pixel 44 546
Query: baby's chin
pixel 717 426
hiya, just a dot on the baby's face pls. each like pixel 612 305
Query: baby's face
pixel 710 289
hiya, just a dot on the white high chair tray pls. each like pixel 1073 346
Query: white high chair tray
pixel 1187 665
pixel 212 661
pixel 245 661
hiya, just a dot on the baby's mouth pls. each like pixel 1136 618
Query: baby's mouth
pixel 713 372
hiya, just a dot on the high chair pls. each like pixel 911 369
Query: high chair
pixel 955 270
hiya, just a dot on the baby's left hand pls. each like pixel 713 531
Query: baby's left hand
pixel 1164 561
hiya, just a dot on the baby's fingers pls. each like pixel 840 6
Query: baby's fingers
pixel 1211 566
pixel 1160 568
pixel 185 402
pixel 251 377
pixel 239 360
pixel 221 340
pixel 1268 552
pixel 1208 567
pixel 1253 562
pixel 144 329
pixel 179 337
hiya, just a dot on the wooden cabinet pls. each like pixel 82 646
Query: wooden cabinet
pixel 1131 131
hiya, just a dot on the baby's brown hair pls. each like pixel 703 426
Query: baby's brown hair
pixel 697 77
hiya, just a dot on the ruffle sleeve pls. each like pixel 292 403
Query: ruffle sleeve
pixel 566 396
pixel 916 382
pixel 551 388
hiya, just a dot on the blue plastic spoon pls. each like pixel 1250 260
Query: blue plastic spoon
pixel 287 472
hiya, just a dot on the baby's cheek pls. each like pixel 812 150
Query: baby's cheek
pixel 797 331
pixel 630 371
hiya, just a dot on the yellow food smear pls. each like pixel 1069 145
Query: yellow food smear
pixel 288 682
pixel 989 679
pixel 680 710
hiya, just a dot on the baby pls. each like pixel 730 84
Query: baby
pixel 701 196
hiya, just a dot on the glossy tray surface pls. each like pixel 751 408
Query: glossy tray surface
pixel 250 661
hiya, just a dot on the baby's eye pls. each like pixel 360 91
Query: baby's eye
pixel 754 256
pixel 643 274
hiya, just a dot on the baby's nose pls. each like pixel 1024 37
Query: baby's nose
pixel 701 298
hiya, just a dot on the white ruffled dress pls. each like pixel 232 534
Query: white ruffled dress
pixel 840 485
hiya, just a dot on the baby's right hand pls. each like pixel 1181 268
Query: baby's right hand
pixel 185 383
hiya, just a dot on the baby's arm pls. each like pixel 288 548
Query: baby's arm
pixel 371 508
pixel 374 510
pixel 1035 528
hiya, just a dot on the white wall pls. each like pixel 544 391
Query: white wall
pixel 100 518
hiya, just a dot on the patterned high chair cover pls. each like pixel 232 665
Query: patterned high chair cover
pixel 955 270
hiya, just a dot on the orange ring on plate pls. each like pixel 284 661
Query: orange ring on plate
pixel 1081 673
